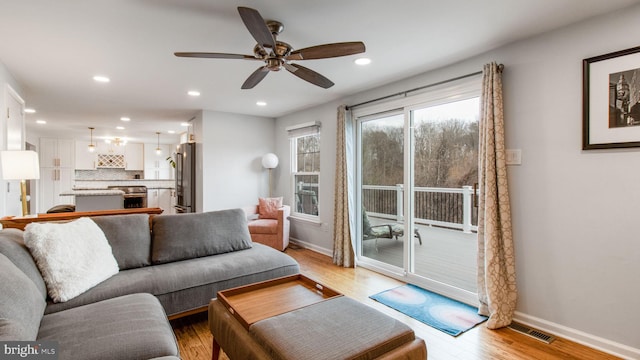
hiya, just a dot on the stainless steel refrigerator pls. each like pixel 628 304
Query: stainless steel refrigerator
pixel 186 178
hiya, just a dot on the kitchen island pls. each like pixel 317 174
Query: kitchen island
pixel 97 199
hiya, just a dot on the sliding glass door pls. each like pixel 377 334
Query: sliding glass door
pixel 417 167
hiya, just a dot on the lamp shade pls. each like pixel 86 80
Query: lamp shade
pixel 270 161
pixel 20 165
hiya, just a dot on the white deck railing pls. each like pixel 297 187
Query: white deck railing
pixel 444 207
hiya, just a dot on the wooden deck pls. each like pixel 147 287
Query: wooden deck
pixel 447 256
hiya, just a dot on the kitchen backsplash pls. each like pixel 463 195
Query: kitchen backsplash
pixel 109 174
pixel 103 178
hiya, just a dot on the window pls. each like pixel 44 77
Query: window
pixel 305 170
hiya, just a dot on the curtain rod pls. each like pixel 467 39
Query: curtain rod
pixel 348 107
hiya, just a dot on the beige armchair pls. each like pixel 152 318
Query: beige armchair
pixel 271 232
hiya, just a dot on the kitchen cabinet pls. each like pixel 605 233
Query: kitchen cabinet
pixel 57 165
pixel 162 198
pixel 134 156
pixel 57 153
pixel 156 167
pixel 85 160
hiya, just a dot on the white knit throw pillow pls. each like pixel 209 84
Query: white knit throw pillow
pixel 72 257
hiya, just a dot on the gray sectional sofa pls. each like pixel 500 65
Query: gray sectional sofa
pixel 175 268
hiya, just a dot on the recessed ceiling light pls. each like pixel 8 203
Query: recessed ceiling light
pixel 185 124
pixel 193 93
pixel 120 127
pixel 102 79
pixel 362 61
pixel 171 132
pixel 261 103
pixel 29 110
pixel 42 122
pixel 124 118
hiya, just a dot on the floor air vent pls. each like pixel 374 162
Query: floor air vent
pixel 534 333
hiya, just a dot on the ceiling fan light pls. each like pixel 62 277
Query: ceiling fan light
pixel 362 61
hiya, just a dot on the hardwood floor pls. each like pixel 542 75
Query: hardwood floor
pixel 479 343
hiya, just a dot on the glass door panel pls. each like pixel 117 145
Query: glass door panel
pixel 382 172
pixel 445 159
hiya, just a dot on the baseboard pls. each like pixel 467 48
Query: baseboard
pixel 592 341
pixel 311 246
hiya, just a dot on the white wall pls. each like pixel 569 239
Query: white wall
pixel 231 148
pixel 575 213
pixel 322 234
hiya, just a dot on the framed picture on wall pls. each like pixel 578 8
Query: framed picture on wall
pixel 611 100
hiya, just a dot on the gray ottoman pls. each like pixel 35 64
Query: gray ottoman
pixel 339 328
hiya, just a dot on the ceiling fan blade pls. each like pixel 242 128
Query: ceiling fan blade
pixel 308 75
pixel 327 51
pixel 255 77
pixel 215 55
pixel 257 26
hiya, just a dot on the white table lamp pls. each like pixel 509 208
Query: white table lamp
pixel 270 161
pixel 20 165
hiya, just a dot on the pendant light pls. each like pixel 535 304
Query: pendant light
pixel 92 147
pixel 158 149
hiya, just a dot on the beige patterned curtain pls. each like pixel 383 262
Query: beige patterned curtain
pixel 496 262
pixel 343 254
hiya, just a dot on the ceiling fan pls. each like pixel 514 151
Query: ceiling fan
pixel 277 54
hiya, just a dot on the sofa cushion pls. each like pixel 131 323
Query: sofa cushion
pixel 21 304
pixel 126 327
pixel 263 226
pixel 268 207
pixel 129 237
pixel 13 247
pixel 190 284
pixel 191 235
pixel 72 257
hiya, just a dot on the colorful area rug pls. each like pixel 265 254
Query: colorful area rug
pixel 442 313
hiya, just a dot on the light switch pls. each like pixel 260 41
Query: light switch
pixel 513 156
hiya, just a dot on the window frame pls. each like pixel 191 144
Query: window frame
pixel 293 146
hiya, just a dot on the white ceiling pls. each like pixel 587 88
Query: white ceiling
pixel 54 48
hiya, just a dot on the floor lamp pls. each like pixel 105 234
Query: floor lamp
pixel 270 161
pixel 20 165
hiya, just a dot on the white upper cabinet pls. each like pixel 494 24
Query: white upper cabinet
pixel 134 156
pixel 85 160
pixel 157 167
pixel 57 153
